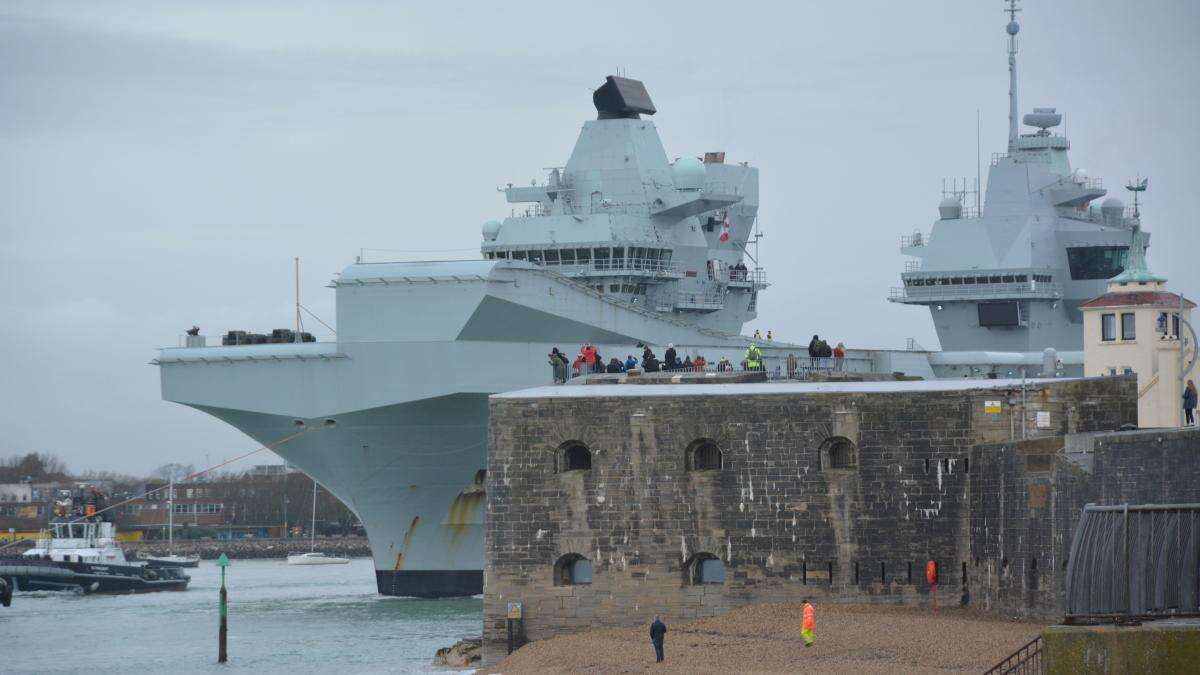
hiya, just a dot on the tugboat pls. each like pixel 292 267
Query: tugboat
pixel 81 554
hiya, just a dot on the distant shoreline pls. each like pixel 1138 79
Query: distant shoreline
pixel 350 547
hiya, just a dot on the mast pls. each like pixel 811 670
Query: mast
pixel 312 529
pixel 171 515
pixel 1013 28
pixel 296 337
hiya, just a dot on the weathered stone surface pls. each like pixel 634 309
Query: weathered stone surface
pixel 935 477
pixel 1171 646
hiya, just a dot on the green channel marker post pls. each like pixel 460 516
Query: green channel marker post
pixel 222 655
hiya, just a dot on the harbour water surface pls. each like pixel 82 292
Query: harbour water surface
pixel 282 618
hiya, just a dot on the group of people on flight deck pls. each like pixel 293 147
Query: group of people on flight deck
pixel 589 360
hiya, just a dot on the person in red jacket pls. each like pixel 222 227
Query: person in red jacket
pixel 808 623
pixel 839 355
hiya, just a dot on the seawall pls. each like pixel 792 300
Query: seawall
pixel 838 493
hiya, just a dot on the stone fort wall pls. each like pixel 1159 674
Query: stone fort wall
pixel 931 475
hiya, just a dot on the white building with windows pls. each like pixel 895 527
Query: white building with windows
pixel 1135 328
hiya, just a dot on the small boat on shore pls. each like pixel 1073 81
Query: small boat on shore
pixel 314 557
pixel 170 560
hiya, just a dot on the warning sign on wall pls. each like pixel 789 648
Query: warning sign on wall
pixel 1043 419
pixel 991 407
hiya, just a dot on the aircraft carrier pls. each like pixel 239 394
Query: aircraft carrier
pixel 620 247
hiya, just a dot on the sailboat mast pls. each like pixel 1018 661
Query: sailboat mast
pixel 171 515
pixel 312 530
pixel 296 337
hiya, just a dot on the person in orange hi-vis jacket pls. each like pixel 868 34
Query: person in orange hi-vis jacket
pixel 809 623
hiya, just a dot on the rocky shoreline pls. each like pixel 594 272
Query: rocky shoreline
pixel 348 547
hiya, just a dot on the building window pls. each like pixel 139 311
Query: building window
pixel 838 452
pixel 705 568
pixel 572 570
pixel 574 456
pixel 1108 327
pixel 1128 327
pixel 704 455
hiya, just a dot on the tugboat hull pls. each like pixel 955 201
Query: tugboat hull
pixel 35 575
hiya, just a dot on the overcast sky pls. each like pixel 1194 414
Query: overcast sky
pixel 161 163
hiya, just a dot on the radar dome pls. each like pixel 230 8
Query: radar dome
pixel 688 173
pixel 491 229
pixel 1113 209
pixel 1013 27
pixel 950 208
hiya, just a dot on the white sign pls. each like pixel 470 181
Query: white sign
pixel 991 407
pixel 1043 419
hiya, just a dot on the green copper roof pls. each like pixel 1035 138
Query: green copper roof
pixel 1136 270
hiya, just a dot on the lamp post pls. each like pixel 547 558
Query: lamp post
pixel 222 655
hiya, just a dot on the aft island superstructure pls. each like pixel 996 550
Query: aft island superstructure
pixel 1008 275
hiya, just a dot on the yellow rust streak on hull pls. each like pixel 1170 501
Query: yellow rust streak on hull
pixel 407 541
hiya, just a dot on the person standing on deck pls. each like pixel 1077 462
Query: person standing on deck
pixel 808 622
pixel 658 632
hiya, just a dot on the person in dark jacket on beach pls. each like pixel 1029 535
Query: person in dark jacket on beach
pixel 658 632
pixel 614 366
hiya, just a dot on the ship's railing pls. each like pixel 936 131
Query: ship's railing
pixel 1027 289
pixel 912 265
pixel 192 341
pixel 630 266
pixel 755 277
pixel 703 300
pixel 1095 215
pixel 910 240
pixel 776 367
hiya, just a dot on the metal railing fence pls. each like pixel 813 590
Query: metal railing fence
pixel 1025 661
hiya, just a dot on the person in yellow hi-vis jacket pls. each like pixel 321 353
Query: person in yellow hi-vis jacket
pixel 808 623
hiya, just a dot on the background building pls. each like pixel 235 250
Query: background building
pixel 1135 328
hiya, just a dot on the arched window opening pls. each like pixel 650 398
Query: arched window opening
pixel 705 455
pixel 706 568
pixel 572 569
pixel 838 453
pixel 574 456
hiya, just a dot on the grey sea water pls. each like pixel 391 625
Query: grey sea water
pixel 282 618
